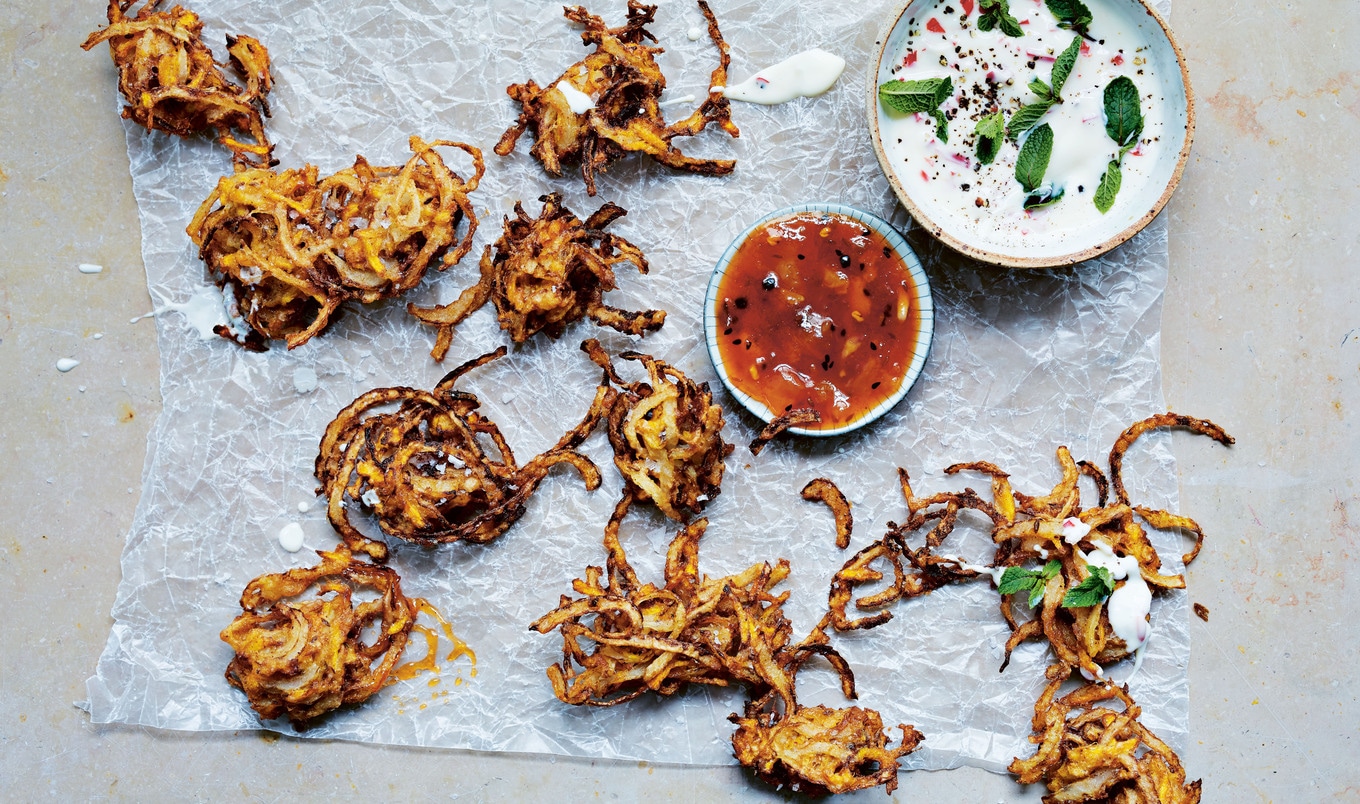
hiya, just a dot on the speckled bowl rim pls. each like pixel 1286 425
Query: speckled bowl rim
pixel 1007 260
pixel 924 302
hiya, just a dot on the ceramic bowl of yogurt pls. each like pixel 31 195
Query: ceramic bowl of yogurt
pixel 1034 133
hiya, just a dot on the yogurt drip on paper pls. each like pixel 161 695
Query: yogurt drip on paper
pixel 290 537
pixel 805 75
pixel 203 311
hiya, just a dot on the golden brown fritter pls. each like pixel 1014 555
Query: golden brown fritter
pixel 666 434
pixel 622 638
pixel 818 750
pixel 1099 755
pixel 303 658
pixel 547 272
pixel 292 248
pixel 623 84
pixel 1052 530
pixel 423 471
pixel 172 84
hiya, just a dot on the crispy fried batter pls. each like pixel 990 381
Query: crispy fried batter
pixel 172 84
pixel 303 658
pixel 666 435
pixel 292 248
pixel 422 471
pixel 1090 753
pixel 822 490
pixel 1027 530
pixel 819 750
pixel 624 84
pixel 548 272
pixel 622 638
pixel 692 629
pixel 793 418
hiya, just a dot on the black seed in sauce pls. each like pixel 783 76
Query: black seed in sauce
pixel 845 260
pixel 875 386
pixel 727 331
pixel 740 303
pixel 769 282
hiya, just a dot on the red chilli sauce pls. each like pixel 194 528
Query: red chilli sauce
pixel 817 310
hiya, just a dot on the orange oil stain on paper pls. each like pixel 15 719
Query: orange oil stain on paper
pixel 430 662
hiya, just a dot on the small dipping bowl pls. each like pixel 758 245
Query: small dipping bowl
pixel 779 302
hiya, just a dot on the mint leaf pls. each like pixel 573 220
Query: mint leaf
pixel 912 97
pixel 1038 87
pixel 1026 117
pixel 1073 15
pixel 1062 66
pixel 1034 154
pixel 1016 579
pixel 1036 594
pixel 1090 592
pixel 1123 120
pixel 943 90
pixel 941 125
pixel 1109 187
pixel 998 13
pixel 990 131
pixel 1043 197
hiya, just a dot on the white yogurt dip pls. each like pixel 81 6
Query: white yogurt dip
pixel 984 204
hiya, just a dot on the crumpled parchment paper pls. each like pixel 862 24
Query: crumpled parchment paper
pixel 1022 362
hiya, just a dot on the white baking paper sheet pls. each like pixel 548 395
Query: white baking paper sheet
pixel 1022 362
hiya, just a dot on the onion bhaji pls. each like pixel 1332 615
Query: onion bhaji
pixel 623 84
pixel 291 248
pixel 1096 754
pixel 1091 557
pixel 547 272
pixel 623 638
pixel 423 471
pixel 303 658
pixel 172 84
pixel 666 435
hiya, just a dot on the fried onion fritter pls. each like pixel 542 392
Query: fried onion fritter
pixel 819 750
pixel 623 85
pixel 547 272
pixel 172 83
pixel 1096 754
pixel 423 472
pixel 303 658
pixel 691 630
pixel 623 638
pixel 666 434
pixel 1099 567
pixel 292 248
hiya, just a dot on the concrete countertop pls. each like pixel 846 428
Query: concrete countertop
pixel 1261 333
